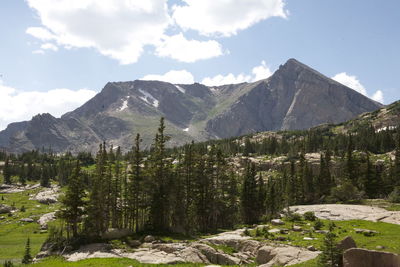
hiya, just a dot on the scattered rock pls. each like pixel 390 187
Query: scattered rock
pixel 308 238
pixel 134 243
pixel 369 258
pixel 45 219
pixel 277 222
pixel 9 189
pixel 27 220
pixel 149 239
pixel 274 231
pixel 297 228
pixel 347 243
pixel 114 233
pixel 311 248
pixel 380 247
pixel 322 231
pixel 285 255
pixel 284 231
pixel 280 238
pixel 365 231
pixel 265 254
pixel 5 209
pixel 48 196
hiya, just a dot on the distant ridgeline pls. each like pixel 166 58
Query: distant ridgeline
pixel 294 97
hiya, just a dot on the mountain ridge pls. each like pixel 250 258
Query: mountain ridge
pixel 294 97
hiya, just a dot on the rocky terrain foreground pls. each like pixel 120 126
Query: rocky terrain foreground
pixel 203 251
pixel 341 212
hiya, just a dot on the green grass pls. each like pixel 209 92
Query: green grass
pixel 13 233
pixel 226 249
pixel 388 236
pixel 382 203
pixel 310 263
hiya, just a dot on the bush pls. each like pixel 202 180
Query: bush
pixel 309 216
pixel 346 193
pixel 318 224
pixel 394 197
pixel 246 232
pixel 22 209
pixel 8 264
pixel 294 217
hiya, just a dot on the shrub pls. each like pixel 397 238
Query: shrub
pixel 294 217
pixel 346 193
pixel 318 224
pixel 22 209
pixel 309 216
pixel 394 197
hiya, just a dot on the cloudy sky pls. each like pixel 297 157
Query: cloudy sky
pixel 57 54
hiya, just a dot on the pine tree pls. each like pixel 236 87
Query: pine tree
pixel 248 196
pixel 96 221
pixel 159 175
pixel 73 201
pixel 27 259
pixel 331 255
pixel 396 167
pixel 7 171
pixel 136 186
pixel 350 162
pixel 44 175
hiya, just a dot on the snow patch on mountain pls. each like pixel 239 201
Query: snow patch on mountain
pixel 182 90
pixel 124 104
pixel 149 99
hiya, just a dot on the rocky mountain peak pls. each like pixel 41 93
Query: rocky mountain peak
pixel 294 97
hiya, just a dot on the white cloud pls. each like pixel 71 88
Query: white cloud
pixel 378 96
pixel 17 105
pixel 261 72
pixel 123 29
pixel 173 76
pixel 49 46
pixel 257 73
pixel 352 82
pixel 40 33
pixel 116 28
pixel 227 17
pixel 181 49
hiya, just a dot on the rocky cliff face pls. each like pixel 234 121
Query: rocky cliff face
pixel 294 97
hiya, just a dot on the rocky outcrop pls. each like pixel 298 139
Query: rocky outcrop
pixel 340 212
pixel 47 196
pixel 45 219
pixel 347 243
pixel 9 189
pixel 357 257
pixel 5 209
pixel 203 251
pixel 294 97
pixel 269 256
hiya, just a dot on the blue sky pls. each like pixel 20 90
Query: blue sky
pixel 57 54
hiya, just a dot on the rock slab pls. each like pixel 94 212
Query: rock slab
pixel 357 257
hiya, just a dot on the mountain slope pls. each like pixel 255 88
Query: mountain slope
pixel 294 97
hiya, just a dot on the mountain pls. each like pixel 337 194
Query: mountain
pixel 294 97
